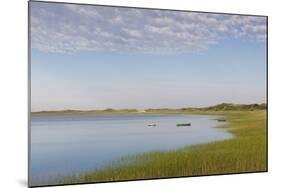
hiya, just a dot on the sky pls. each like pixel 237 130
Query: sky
pixel 96 57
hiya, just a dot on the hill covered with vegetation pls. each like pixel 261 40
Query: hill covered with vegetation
pixel 219 107
pixel 241 107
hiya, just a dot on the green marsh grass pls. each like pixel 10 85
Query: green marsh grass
pixel 245 152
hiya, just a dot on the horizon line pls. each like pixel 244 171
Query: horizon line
pixel 137 109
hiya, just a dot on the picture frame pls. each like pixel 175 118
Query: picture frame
pixel 50 106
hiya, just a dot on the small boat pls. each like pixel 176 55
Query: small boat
pixel 221 120
pixel 152 125
pixel 183 124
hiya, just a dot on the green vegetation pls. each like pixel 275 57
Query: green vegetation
pixel 229 106
pixel 87 112
pixel 246 152
pixel 219 107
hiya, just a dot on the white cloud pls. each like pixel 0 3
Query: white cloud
pixel 70 28
pixel 133 32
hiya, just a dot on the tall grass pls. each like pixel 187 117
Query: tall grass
pixel 246 152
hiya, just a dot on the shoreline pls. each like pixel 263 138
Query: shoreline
pixel 110 111
pixel 129 157
pixel 245 152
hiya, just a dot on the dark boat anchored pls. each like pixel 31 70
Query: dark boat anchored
pixel 183 124
pixel 152 125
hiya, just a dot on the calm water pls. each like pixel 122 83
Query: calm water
pixel 65 145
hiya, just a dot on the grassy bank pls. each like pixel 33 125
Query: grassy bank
pixel 246 152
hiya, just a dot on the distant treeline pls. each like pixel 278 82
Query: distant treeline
pixel 105 111
pixel 230 106
pixel 219 107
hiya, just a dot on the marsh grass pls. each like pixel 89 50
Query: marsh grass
pixel 246 152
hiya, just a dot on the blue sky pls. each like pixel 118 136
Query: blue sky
pixel 92 57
